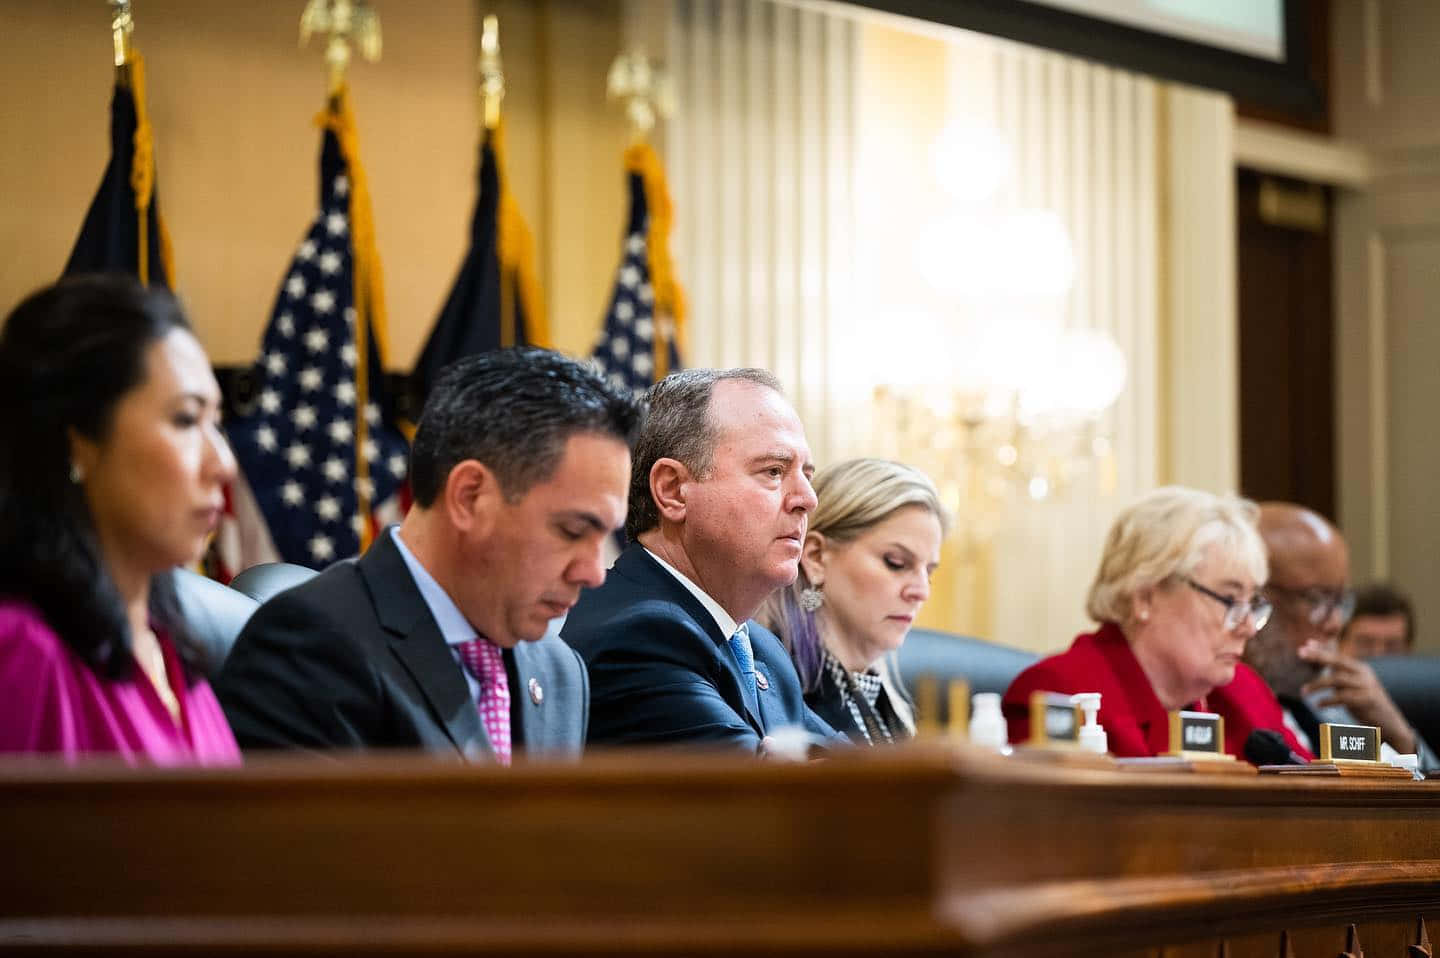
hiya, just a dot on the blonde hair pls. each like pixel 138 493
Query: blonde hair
pixel 1165 535
pixel 853 495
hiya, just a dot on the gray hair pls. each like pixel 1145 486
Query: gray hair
pixel 1165 535
pixel 678 426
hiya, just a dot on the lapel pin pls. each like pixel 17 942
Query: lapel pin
pixel 537 694
pixel 761 682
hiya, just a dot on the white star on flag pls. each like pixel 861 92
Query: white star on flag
pixel 345 392
pixel 342 185
pixel 322 548
pixel 323 301
pixel 275 363
pixel 265 438
pixel 295 286
pixel 311 379
pixel 297 455
pixel 635 245
pixel 286 324
pixel 347 354
pixel 341 431
pixel 334 470
pixel 328 508
pixel 291 493
pixel 303 417
pixel 329 262
pixel 629 277
pixel 336 224
pixel 270 401
pixel 306 252
pixel 316 340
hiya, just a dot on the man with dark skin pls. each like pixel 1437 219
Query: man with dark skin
pixel 1297 652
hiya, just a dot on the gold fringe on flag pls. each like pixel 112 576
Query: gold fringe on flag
pixel 369 295
pixel 515 249
pixel 142 173
pixel 669 295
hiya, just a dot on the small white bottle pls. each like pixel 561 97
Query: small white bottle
pixel 1092 734
pixel 987 725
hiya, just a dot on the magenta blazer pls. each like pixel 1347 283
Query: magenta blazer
pixel 52 703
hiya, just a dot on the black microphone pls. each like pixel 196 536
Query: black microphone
pixel 1265 746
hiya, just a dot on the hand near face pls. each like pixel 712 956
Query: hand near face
pixel 1353 684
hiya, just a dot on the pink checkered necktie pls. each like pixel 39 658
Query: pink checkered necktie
pixel 485 661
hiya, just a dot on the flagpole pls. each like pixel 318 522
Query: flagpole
pixel 492 93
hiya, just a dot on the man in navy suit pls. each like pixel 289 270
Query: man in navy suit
pixel 437 637
pixel 719 500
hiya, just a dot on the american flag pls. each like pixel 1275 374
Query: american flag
pixel 320 448
pixel 638 342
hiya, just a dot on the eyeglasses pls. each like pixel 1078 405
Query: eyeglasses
pixel 1257 610
pixel 1322 602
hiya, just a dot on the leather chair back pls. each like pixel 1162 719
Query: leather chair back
pixel 1413 681
pixel 263 582
pixel 943 656
pixel 214 614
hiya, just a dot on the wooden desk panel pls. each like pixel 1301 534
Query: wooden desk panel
pixel 916 851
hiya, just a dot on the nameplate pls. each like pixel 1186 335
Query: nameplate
pixel 1054 720
pixel 1349 743
pixel 1197 735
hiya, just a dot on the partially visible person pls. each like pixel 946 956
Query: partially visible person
pixel 1383 623
pixel 438 636
pixel 1177 596
pixel 720 496
pixel 873 543
pixel 112 472
pixel 1298 652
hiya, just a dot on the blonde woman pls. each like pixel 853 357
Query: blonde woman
pixel 872 545
pixel 1177 596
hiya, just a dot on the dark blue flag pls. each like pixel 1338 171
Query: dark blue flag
pixel 495 300
pixel 123 231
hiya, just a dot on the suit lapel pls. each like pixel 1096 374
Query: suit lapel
pixel 636 564
pixel 416 641
pixel 530 722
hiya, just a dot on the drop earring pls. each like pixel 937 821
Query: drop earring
pixel 811 598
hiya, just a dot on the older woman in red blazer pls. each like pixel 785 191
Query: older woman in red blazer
pixel 1177 597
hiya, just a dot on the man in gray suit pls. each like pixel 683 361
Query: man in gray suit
pixel 436 637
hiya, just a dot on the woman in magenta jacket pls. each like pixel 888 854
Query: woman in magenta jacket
pixel 112 472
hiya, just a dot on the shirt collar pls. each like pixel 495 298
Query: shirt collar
pixel 727 625
pixel 452 622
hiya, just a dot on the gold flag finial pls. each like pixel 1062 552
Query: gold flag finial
pixel 122 24
pixel 643 88
pixel 492 72
pixel 343 23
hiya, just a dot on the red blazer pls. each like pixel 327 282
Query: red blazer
pixel 1135 722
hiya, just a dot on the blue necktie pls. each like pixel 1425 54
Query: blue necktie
pixel 745 658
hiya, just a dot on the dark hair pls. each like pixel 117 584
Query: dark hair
pixel 1382 599
pixel 513 410
pixel 678 427
pixel 68 354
